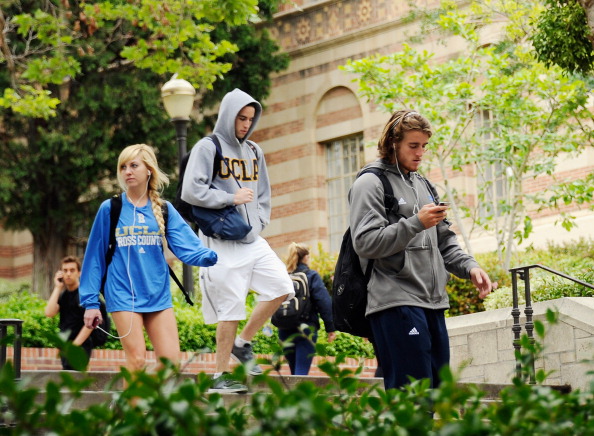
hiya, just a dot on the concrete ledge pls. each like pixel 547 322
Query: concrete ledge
pixel 482 343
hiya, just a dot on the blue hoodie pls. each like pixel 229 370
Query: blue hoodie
pixel 138 276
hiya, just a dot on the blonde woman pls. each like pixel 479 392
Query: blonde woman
pixel 301 350
pixel 136 288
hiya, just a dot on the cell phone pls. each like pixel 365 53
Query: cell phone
pixel 444 203
pixel 61 280
pixel 96 322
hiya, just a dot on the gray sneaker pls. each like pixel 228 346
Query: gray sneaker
pixel 245 356
pixel 226 385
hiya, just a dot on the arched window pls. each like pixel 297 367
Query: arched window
pixel 339 129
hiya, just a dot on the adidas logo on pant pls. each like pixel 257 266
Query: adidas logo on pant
pixel 413 332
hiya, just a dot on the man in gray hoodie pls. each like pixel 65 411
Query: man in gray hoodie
pixel 413 250
pixel 244 264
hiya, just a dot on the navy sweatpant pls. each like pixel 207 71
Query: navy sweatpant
pixel 411 342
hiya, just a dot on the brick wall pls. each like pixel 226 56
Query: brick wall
pixel 111 360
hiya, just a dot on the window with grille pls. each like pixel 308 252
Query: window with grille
pixel 344 158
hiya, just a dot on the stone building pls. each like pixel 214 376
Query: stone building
pixel 316 131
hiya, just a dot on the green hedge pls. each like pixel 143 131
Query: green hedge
pixel 166 404
pixel 575 258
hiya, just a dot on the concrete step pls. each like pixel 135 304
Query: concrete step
pixel 102 387
pixel 103 380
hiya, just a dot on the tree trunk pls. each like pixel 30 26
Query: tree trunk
pixel 588 6
pixel 48 251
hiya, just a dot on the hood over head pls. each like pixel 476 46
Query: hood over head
pixel 232 103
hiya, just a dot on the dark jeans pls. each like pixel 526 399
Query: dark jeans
pixel 301 354
pixel 411 342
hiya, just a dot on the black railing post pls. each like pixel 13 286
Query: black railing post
pixel 528 311
pixel 524 273
pixel 516 328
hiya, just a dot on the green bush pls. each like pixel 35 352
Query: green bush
pixel 574 259
pixel 166 403
pixel 325 264
pixel 37 328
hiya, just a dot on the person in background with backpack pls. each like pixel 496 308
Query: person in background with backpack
pixel 414 251
pixel 136 286
pixel 246 263
pixel 300 350
pixel 64 300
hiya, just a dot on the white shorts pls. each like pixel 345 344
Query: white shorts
pixel 241 267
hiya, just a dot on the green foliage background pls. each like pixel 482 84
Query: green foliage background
pixel 167 403
pixel 87 57
pixel 574 258
pixel 562 37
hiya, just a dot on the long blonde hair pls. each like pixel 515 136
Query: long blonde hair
pixel 295 255
pixel 157 182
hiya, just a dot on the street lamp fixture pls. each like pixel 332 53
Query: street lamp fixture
pixel 178 99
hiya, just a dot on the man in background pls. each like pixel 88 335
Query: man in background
pixel 64 300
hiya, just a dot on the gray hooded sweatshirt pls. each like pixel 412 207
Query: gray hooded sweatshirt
pixel 412 264
pixel 202 188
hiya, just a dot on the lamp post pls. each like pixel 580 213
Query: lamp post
pixel 178 99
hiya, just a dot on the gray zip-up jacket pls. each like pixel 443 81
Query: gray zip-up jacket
pixel 411 263
pixel 202 188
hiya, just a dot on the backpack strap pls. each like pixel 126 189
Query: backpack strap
pixel 389 202
pixel 114 216
pixel 165 212
pixel 253 147
pixel 216 166
pixel 389 199
pixel 431 189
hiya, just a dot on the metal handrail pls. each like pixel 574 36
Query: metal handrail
pixel 523 272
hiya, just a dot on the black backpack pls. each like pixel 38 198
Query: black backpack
pixel 293 312
pixel 114 216
pixel 184 208
pixel 349 287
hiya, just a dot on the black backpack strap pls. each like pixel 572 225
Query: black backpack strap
pixel 180 286
pixel 216 165
pixel 218 158
pixel 389 202
pixel 389 199
pixel 165 213
pixel 431 189
pixel 114 215
pixel 253 147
